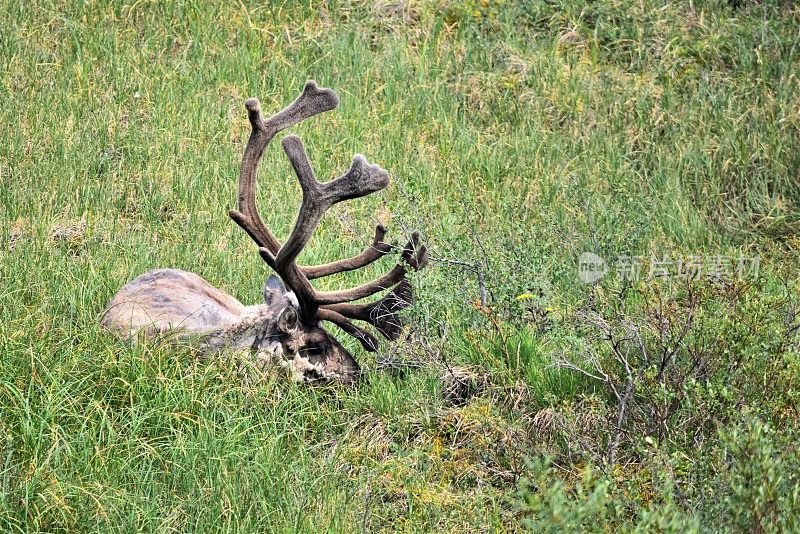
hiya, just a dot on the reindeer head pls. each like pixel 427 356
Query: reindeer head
pixel 315 354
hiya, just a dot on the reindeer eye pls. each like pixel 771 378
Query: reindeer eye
pixel 313 349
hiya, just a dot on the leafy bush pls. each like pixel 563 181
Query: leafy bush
pixel 679 361
pixel 753 487
pixel 596 503
pixel 692 382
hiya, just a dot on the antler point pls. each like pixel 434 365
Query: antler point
pixel 290 139
pixel 253 105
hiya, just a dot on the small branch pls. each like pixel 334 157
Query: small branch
pixel 481 285
pixel 476 269
pixel 623 405
pixel 566 364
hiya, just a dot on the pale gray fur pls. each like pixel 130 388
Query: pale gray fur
pixel 193 312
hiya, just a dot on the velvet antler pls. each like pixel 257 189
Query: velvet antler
pixel 360 180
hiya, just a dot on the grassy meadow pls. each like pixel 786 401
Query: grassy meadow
pixel 519 134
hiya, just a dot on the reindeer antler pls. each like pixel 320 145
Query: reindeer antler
pixel 362 179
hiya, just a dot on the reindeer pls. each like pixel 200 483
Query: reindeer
pixel 286 329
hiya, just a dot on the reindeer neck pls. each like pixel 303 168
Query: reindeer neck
pixel 248 332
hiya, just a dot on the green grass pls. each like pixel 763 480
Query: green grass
pixel 518 135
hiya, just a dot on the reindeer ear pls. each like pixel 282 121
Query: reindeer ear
pixel 273 289
pixel 287 320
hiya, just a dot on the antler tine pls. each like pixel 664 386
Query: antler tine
pixel 362 179
pixel 366 339
pixel 371 253
pixel 414 255
pixel 311 101
pixel 381 314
